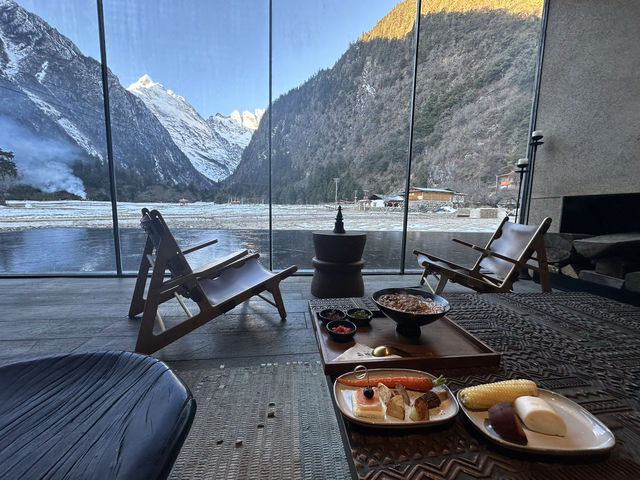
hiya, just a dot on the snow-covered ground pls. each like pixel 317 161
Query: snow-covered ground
pixel 89 214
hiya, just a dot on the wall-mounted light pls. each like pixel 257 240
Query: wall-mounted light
pixel 522 167
pixel 536 136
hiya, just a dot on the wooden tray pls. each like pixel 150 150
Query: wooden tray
pixel 442 344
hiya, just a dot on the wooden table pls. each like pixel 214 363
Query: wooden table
pixel 584 347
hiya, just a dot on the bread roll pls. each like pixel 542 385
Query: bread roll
pixel 539 416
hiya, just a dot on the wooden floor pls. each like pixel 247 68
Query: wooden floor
pixel 51 316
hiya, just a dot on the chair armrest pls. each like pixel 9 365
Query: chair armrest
pixel 287 272
pixel 438 259
pixel 462 242
pixel 212 268
pixel 198 246
pixel 484 250
pixel 495 254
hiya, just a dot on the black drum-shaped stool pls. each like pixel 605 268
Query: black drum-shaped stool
pixel 109 415
pixel 338 264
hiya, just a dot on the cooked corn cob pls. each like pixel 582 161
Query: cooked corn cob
pixel 481 397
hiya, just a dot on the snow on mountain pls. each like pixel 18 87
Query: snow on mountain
pixel 235 131
pixel 52 115
pixel 214 146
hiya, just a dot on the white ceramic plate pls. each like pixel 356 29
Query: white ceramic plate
pixel 343 394
pixel 585 433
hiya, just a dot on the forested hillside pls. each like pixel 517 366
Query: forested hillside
pixel 475 81
pixel 399 21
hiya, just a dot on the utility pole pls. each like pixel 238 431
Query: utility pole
pixel 336 180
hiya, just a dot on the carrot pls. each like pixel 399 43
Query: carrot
pixel 412 383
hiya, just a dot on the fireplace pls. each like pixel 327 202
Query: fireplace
pixel 601 214
pixel 602 234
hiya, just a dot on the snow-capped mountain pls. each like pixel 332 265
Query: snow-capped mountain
pixel 234 132
pixel 213 147
pixel 52 118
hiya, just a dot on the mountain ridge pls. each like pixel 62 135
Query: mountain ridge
pixel 473 101
pixel 401 19
pixel 53 98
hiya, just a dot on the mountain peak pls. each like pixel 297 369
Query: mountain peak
pixel 400 20
pixel 143 82
pixel 248 119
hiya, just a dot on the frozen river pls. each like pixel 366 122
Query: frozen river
pixel 76 236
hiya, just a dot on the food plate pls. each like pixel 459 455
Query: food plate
pixel 447 410
pixel 585 433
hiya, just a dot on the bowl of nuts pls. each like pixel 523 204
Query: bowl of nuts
pixel 410 308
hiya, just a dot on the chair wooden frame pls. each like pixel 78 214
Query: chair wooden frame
pixel 192 284
pixel 503 268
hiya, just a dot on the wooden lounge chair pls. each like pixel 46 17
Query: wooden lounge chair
pixel 500 263
pixel 92 416
pixel 216 287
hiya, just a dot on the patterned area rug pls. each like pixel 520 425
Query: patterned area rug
pixel 579 345
pixel 262 422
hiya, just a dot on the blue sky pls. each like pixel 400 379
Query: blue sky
pixel 215 52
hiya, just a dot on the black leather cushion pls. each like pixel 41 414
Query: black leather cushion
pixel 113 415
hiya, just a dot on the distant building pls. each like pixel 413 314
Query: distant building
pixel 436 194
pixel 507 181
pixel 380 201
pixel 394 200
pixel 376 200
pixel 416 194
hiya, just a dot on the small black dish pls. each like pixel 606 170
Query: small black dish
pixel 330 314
pixel 360 316
pixel 340 336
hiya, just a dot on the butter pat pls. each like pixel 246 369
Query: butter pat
pixel 539 416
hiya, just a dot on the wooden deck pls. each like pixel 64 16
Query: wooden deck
pixel 51 316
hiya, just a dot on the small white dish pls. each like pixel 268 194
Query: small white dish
pixel 585 433
pixel 343 394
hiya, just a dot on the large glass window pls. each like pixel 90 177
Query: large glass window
pixel 194 134
pixel 53 161
pixel 476 73
pixel 340 126
pixel 189 89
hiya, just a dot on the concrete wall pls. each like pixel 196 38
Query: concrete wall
pixel 589 107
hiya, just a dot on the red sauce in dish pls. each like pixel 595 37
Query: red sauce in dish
pixel 342 329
